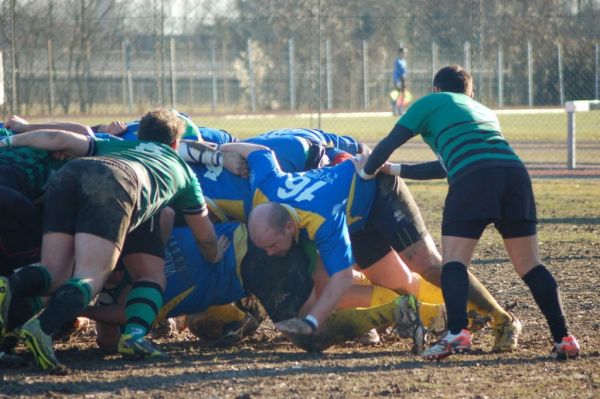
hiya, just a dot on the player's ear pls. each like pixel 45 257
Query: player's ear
pixel 436 89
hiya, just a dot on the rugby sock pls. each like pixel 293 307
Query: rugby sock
pixel 428 292
pixel 22 309
pixel 455 286
pixel 30 281
pixel 143 303
pixel 382 296
pixel 66 303
pixel 545 292
pixel 484 304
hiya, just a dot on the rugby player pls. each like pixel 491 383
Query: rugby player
pixel 94 202
pixel 326 206
pixel 488 183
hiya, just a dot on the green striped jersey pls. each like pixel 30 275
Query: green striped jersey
pixel 463 133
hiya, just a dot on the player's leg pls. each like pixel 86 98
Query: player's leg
pixel 518 229
pixel 143 256
pixel 399 220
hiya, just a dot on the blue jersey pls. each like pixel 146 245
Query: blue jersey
pixel 228 196
pixel 193 284
pixel 332 142
pixel 399 70
pixel 327 204
pixel 291 151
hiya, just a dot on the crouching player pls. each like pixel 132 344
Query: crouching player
pixel 193 285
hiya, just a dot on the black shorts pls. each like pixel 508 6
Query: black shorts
pixel 281 283
pixel 145 239
pixel 499 195
pixel 91 195
pixel 20 231
pixel 395 222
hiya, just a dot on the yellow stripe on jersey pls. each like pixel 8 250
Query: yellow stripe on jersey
pixel 240 248
pixel 349 218
pixel 216 209
pixel 167 307
pixel 234 209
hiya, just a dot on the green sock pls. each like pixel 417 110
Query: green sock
pixel 143 303
pixel 66 303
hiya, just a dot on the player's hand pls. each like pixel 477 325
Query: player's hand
pixel 16 124
pixel 222 245
pixel 294 326
pixel 114 127
pixel 235 163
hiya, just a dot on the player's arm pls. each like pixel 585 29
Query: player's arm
pixel 211 247
pixel 244 149
pixel 20 125
pixel 208 154
pixel 419 171
pixel 382 151
pixel 51 140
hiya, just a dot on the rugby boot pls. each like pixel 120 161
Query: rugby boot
pixel 568 348
pixel 137 347
pixel 371 337
pixel 4 304
pixel 506 335
pixel 408 321
pixel 449 344
pixel 40 345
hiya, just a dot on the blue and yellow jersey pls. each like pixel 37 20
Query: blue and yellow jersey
pixel 228 196
pixel 327 204
pixel 332 142
pixel 193 284
pixel 291 151
pixel 217 136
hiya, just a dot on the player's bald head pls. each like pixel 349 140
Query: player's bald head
pixel 271 227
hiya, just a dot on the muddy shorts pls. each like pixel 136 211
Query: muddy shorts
pixel 395 222
pixel 145 239
pixel 91 195
pixel 281 283
pixel 499 195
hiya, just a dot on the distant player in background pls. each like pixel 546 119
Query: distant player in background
pixel 399 76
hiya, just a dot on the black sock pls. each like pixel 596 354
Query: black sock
pixel 66 303
pixel 545 292
pixel 32 280
pixel 455 288
pixel 22 309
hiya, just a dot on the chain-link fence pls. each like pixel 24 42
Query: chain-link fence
pixel 312 63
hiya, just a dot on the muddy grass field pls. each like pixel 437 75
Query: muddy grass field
pixel 265 365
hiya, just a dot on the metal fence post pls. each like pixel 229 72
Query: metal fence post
pixel 291 60
pixel 213 73
pixel 366 99
pixel 329 78
pixel 570 108
pixel 467 55
pixel 596 69
pixel 51 94
pixel 529 74
pixel 500 77
pixel 173 73
pixel 560 74
pixel 251 82
pixel 1 80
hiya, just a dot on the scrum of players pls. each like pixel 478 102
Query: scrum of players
pixel 136 224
